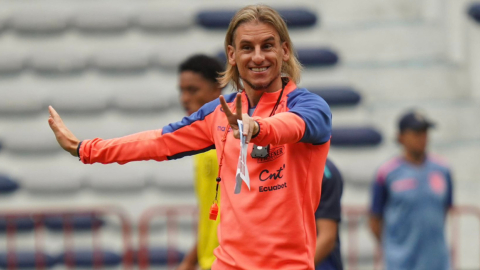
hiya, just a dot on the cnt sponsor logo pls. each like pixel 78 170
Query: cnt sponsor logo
pixel 275 175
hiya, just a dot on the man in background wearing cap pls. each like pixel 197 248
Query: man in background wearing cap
pixel 411 196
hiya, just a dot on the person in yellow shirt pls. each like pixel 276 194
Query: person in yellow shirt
pixel 198 85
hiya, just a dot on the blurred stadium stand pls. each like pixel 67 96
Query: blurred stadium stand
pixel 110 69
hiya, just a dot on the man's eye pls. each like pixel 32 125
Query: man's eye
pixel 246 48
pixel 268 46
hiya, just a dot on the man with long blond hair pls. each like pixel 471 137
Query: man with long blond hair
pixel 270 223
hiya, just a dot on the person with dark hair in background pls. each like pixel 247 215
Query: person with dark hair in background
pixel 412 194
pixel 328 216
pixel 268 218
pixel 198 85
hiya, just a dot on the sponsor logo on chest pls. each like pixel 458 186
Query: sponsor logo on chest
pixel 273 154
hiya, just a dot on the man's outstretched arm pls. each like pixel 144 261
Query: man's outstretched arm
pixel 187 137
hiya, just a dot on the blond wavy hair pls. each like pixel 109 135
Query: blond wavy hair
pixel 265 14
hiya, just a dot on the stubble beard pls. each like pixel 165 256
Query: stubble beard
pixel 258 87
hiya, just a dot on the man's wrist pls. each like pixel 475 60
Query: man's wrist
pixel 74 149
pixel 256 130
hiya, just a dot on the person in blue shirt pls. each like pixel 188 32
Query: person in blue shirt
pixel 328 215
pixel 411 196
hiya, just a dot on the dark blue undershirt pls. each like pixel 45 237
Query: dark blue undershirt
pixel 330 208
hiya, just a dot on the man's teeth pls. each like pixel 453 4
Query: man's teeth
pixel 259 69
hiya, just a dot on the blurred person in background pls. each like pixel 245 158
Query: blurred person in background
pixel 198 85
pixel 269 221
pixel 412 194
pixel 328 216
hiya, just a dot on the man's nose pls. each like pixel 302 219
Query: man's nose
pixel 258 56
pixel 184 97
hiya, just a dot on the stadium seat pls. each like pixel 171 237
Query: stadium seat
pixel 27 260
pixel 3 23
pixel 355 136
pixel 143 99
pixel 121 61
pixel 86 258
pixel 79 99
pixel 220 19
pixel 163 20
pixel 474 11
pixel 21 101
pixel 7 185
pixel 57 63
pixel 338 95
pixel 24 224
pixel 117 178
pixel 317 57
pixel 59 175
pixel 106 125
pixel 38 22
pixel 18 138
pixel 174 175
pixel 159 256
pixel 455 121
pixel 78 223
pixel 101 21
pixel 359 164
pixel 12 63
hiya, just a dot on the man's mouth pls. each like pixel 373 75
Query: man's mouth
pixel 260 69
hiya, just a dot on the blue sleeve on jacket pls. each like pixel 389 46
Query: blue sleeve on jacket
pixel 379 196
pixel 199 115
pixel 316 114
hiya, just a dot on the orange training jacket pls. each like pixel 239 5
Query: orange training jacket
pixel 272 225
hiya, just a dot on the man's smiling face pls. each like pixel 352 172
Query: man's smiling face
pixel 258 55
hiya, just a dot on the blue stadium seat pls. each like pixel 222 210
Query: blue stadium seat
pixel 474 11
pixel 86 258
pixel 317 57
pixel 309 57
pixel 299 17
pixel 101 21
pixel 12 63
pixel 38 22
pixel 21 224
pixel 220 19
pixel 27 260
pixel 160 256
pixel 337 95
pixel 355 136
pixel 78 223
pixel 7 185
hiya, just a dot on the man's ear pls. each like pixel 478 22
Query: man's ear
pixel 286 51
pixel 231 55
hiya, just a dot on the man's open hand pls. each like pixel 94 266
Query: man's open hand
pixel 64 136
